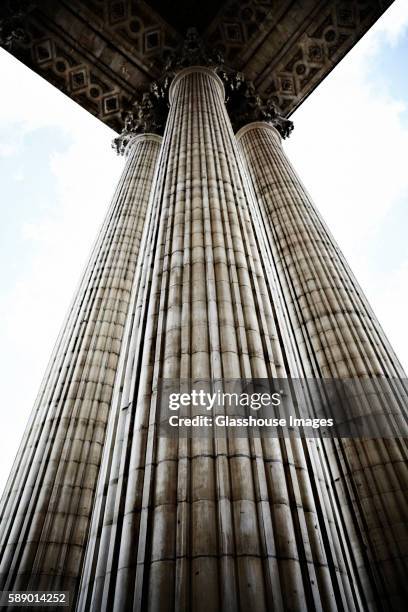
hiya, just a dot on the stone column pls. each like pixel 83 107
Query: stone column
pixel 47 503
pixel 337 336
pixel 198 525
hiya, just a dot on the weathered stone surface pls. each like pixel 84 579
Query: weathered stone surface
pixel 207 524
pixel 337 335
pixel 213 263
pixel 46 507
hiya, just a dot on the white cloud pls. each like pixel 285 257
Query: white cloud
pixel 394 22
pixel 8 149
pixel 18 175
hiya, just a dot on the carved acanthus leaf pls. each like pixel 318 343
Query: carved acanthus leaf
pixel 147 114
pixel 245 105
pixel 12 19
pixel 149 109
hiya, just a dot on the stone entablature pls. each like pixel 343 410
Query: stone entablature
pixel 100 52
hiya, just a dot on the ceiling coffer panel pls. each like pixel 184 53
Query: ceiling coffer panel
pixel 99 52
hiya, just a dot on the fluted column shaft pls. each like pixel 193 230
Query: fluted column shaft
pixel 206 524
pixel 47 503
pixel 337 336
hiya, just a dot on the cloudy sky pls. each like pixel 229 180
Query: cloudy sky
pixel 58 172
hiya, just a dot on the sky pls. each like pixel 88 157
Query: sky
pixel 58 173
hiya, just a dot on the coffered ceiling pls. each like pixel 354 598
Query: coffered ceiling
pixel 100 51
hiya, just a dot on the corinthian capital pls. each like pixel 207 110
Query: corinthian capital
pixel 149 109
pixel 147 114
pixel 194 52
pixel 245 105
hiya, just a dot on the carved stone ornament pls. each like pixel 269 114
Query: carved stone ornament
pixel 147 114
pixel 245 106
pixel 149 109
pixel 12 18
pixel 193 53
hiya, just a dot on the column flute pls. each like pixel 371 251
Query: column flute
pixel 46 506
pixel 206 523
pixel 338 336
